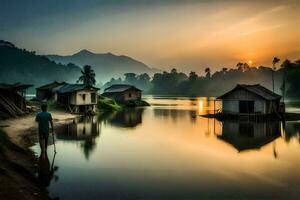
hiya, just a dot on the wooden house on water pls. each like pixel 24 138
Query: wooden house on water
pixel 123 93
pixel 12 99
pixel 77 98
pixel 250 100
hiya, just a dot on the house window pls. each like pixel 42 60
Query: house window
pixel 246 106
pixel 129 95
pixel 93 97
pixel 83 97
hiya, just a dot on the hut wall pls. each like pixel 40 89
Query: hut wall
pixel 118 97
pixel 84 97
pixel 230 106
pixel 43 95
pixel 260 106
pixel 230 103
pixel 73 99
pixel 40 95
pixel 132 94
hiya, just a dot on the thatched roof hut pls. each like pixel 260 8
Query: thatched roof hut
pixel 12 99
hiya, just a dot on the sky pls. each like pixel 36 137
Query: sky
pixel 189 35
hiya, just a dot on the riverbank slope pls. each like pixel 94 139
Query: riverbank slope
pixel 18 163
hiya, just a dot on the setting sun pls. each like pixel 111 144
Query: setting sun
pixel 250 62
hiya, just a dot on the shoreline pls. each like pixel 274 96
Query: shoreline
pixel 18 163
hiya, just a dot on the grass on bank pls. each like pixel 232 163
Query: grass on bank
pixel 107 104
pixel 140 103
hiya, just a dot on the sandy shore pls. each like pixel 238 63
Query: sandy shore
pixel 17 162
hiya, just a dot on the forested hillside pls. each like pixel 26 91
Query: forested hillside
pixel 20 65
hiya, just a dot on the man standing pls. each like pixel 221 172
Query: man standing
pixel 43 119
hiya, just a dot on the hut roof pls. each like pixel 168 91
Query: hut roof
pixel 255 89
pixel 50 86
pixel 68 88
pixel 119 88
pixel 14 87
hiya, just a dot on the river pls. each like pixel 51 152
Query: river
pixel 167 151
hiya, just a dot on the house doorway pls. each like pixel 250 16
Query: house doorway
pixel 246 106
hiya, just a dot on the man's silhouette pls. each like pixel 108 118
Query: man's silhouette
pixel 43 119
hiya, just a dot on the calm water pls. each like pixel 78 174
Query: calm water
pixel 167 151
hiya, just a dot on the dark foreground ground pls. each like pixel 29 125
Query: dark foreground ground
pixel 18 164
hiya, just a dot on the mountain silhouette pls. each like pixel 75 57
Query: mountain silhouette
pixel 20 65
pixel 106 65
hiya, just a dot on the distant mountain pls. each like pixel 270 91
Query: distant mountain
pixel 106 65
pixel 20 65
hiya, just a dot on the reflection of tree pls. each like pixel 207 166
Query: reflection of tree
pixel 292 130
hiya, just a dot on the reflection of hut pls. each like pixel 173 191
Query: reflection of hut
pixel 12 99
pixel 122 93
pixel 247 99
pixel 80 129
pixel 127 118
pixel 249 135
pixel 84 130
pixel 45 92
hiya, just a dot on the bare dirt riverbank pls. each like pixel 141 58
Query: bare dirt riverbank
pixel 17 162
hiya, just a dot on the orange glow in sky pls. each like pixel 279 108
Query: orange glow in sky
pixel 188 35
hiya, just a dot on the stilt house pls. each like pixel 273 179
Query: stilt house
pixel 77 98
pixel 248 99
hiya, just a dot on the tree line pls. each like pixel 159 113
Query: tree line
pixel 282 80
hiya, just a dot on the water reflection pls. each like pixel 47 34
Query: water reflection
pixel 84 129
pixel 127 118
pixel 291 130
pixel 173 153
pixel 46 170
pixel 249 135
pixel 201 105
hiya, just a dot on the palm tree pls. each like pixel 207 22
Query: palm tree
pixel 87 76
pixel 207 71
pixel 275 61
pixel 285 65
